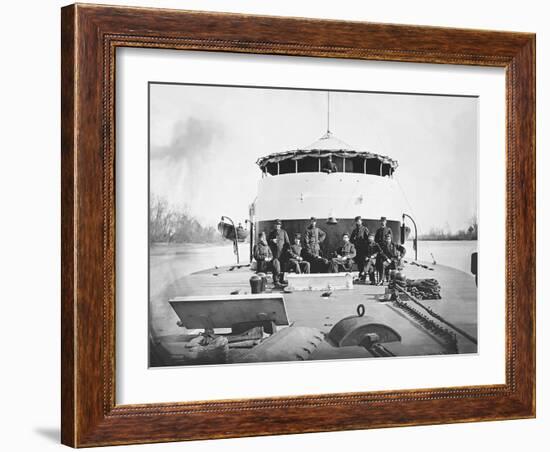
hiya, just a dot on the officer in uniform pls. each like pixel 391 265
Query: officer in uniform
pixel 382 232
pixel 359 238
pixel 278 243
pixel 344 256
pixel 372 251
pixel 391 258
pixel 295 260
pixel 329 166
pixel 313 237
pixel 262 254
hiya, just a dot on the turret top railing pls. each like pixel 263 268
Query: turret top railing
pixel 328 154
pixel 328 162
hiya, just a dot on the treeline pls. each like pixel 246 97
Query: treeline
pixel 470 233
pixel 169 224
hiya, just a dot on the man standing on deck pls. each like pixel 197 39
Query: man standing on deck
pixel 382 232
pixel 359 238
pixel 391 258
pixel 295 260
pixel 313 237
pixel 372 251
pixel 344 256
pixel 278 243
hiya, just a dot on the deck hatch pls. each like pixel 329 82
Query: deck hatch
pixel 224 311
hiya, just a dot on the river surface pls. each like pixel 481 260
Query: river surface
pixel 186 258
pixel 452 253
pixel 170 261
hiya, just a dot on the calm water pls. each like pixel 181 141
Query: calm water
pixel 169 262
pixel 453 253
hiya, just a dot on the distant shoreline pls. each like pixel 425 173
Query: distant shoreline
pixel 190 244
pixel 446 239
pixel 241 244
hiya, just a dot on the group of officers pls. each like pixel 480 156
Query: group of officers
pixel 372 252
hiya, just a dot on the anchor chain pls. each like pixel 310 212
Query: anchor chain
pixel 447 336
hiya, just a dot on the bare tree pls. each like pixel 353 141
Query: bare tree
pixel 170 224
pixel 470 233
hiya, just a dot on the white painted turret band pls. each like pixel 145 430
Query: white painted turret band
pixel 341 195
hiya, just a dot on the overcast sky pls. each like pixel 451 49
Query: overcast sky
pixel 205 141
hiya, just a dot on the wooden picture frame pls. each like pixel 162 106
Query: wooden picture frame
pixel 90 36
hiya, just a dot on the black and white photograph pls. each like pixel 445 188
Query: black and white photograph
pixel 302 224
pixel 242 226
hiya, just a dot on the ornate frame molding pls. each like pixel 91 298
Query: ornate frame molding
pixel 90 37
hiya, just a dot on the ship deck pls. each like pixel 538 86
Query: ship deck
pixel 458 306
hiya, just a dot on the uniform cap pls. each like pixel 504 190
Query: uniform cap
pixel 383 218
pixel 313 219
pixel 278 222
pixel 297 236
pixel 358 217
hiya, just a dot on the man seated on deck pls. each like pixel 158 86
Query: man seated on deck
pixel 295 260
pixel 278 243
pixel 391 258
pixel 313 237
pixel 359 237
pixel 329 166
pixel 344 256
pixel 372 251
pixel 263 255
pixel 382 231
